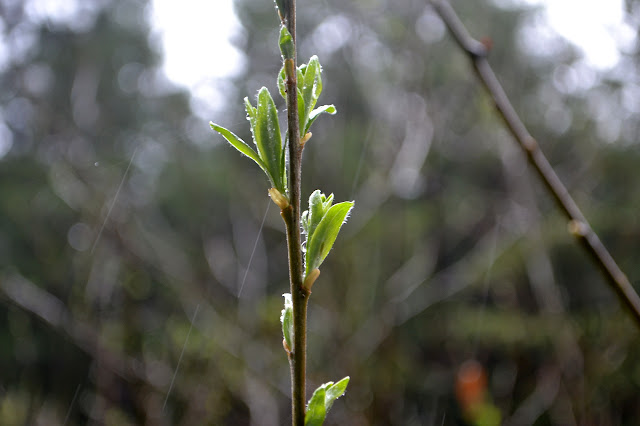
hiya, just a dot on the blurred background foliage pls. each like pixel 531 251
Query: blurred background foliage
pixel 128 228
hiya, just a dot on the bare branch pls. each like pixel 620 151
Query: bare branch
pixel 578 224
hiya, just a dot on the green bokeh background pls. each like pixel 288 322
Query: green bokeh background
pixel 126 225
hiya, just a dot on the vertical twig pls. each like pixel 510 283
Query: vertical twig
pixel 291 216
pixel 578 224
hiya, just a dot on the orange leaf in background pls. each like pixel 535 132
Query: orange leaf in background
pixel 471 385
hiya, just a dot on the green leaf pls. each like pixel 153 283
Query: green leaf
pixel 316 209
pixel 281 6
pixel 286 318
pixel 329 109
pixel 240 145
pixel 301 112
pixel 318 206
pixel 322 400
pixel 311 87
pixel 302 68
pixel 266 133
pixel 336 391
pixel 283 164
pixel 282 87
pixel 252 115
pixel 281 83
pixel 287 47
pixel 301 106
pixel 304 221
pixel 322 238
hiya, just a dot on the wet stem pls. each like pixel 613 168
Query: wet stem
pixel 300 297
pixel 291 216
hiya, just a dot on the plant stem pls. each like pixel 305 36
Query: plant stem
pixel 578 224
pixel 299 296
pixel 291 216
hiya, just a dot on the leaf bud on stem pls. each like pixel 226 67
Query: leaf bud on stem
pixel 277 197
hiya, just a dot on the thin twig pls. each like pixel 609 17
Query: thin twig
pixel 291 216
pixel 578 225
